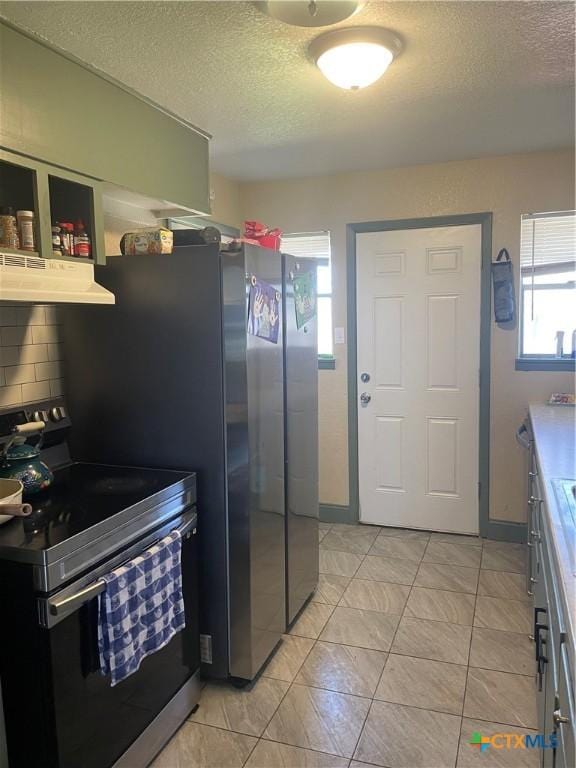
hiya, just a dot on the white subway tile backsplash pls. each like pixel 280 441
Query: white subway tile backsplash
pixel 33 353
pixel 52 315
pixel 55 352
pixel 44 334
pixel 46 371
pixel 16 336
pixel 10 396
pixel 35 315
pixel 9 355
pixel 30 354
pixel 39 390
pixel 56 388
pixel 8 316
pixel 19 374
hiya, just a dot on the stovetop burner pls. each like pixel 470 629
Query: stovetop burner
pixel 82 496
pixel 111 486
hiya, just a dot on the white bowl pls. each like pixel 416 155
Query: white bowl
pixel 10 493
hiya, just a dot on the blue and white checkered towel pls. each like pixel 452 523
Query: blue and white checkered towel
pixel 141 609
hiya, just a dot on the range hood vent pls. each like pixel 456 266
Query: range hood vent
pixel 49 281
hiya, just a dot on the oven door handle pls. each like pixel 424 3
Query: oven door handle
pixel 66 604
pixel 69 604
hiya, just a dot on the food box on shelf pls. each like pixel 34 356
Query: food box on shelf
pixel 152 241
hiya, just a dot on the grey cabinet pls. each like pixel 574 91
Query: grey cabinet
pixel 564 711
pixel 553 647
pixel 54 195
pixel 533 518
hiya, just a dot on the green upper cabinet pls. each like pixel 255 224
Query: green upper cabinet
pixel 56 110
pixel 54 195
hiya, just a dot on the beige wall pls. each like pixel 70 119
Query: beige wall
pixel 225 201
pixel 507 186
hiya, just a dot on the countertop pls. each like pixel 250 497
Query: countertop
pixel 554 429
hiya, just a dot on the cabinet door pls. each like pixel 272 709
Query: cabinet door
pixel 549 685
pixel 541 636
pixel 533 522
pixel 564 712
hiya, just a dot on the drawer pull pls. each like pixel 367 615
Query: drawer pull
pixel 559 718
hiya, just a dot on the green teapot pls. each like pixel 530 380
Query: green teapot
pixel 21 461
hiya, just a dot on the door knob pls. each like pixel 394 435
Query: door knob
pixel 365 398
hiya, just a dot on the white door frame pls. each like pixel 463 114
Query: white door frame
pixel 487 527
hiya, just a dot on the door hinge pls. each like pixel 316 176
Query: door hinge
pixel 479 491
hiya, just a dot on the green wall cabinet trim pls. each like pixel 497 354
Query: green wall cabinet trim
pixel 486 527
pixel 542 364
pixel 336 513
pixel 111 135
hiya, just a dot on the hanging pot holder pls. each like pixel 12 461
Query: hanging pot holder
pixel 503 282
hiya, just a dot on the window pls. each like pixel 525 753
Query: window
pixel 316 245
pixel 547 290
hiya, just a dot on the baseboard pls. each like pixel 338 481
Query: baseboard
pixel 336 513
pixel 500 530
pixel 503 531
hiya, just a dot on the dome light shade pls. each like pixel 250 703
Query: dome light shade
pixel 355 58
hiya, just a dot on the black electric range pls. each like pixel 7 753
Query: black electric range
pixel 93 518
pixel 90 510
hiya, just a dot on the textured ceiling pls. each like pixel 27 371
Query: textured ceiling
pixel 475 78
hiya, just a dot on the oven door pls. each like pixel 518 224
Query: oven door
pixel 94 723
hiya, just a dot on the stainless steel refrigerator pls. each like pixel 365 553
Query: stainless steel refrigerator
pixel 171 377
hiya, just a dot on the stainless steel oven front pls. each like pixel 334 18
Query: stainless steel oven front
pixel 63 711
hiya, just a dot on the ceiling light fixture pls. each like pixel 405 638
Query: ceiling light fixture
pixel 310 13
pixel 355 57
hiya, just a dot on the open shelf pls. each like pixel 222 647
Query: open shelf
pixel 70 201
pixel 55 195
pixel 18 190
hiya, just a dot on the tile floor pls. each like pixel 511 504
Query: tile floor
pixel 412 642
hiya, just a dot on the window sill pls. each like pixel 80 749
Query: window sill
pixel 544 364
pixel 326 363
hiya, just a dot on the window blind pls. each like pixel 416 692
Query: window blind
pixel 548 241
pixel 307 245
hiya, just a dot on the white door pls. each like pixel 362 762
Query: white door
pixel 418 328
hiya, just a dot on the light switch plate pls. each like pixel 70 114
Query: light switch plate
pixel 339 336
